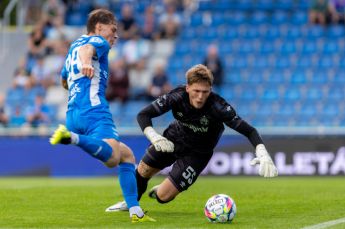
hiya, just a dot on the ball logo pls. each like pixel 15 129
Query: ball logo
pixel 216 201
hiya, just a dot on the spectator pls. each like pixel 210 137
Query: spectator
pixel 41 74
pixel 53 10
pixel 150 24
pixel 159 84
pixel 337 11
pixel 169 23
pixel 136 50
pixel 127 24
pixel 37 113
pixel 139 80
pixel 21 78
pixel 118 82
pixel 318 11
pixel 214 63
pixel 3 111
pixel 37 44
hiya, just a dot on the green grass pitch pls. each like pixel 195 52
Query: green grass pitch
pixel 283 202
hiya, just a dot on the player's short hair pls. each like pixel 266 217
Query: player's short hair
pixel 102 16
pixel 199 73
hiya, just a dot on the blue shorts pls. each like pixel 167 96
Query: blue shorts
pixel 97 125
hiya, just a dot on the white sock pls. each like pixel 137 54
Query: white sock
pixel 136 210
pixel 74 138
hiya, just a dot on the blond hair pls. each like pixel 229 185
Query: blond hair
pixel 199 73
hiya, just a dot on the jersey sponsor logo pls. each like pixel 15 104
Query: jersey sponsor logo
pixel 204 121
pixel 195 128
pixel 74 90
pixel 96 40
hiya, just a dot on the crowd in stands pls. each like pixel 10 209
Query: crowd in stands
pixel 57 23
pixel 218 33
pixel 327 12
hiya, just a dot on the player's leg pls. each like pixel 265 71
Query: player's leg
pixel 152 162
pixel 87 132
pixel 183 174
pixel 96 148
pixel 164 192
pixel 124 157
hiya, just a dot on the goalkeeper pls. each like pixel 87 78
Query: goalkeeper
pixel 188 142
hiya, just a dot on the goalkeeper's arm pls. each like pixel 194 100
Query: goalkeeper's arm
pixel 144 119
pixel 266 165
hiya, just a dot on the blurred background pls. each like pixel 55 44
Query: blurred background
pixel 280 63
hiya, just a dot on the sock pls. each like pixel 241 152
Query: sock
pixel 128 184
pixel 141 184
pixel 74 138
pixel 96 148
pixel 137 211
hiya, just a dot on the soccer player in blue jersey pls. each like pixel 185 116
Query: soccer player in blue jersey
pixel 89 121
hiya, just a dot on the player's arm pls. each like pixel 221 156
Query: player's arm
pixel 86 52
pixel 144 119
pixel 266 165
pixel 64 84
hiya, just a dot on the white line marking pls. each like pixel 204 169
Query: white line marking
pixel 325 224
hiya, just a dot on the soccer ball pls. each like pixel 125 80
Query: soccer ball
pixel 220 208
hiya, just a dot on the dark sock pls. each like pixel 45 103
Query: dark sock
pixel 141 184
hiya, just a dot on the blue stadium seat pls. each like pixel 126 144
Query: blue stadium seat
pixel 292 94
pixel 236 18
pixel 330 47
pixel 299 17
pixel 270 94
pixel 265 5
pixel 313 93
pixel 298 78
pixel 308 47
pixel 258 17
pixel 336 31
pixel 279 17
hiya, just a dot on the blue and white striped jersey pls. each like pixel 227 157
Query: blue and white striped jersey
pixel 87 94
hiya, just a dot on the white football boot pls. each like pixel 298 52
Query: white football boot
pixel 120 206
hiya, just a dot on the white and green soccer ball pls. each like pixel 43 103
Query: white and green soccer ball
pixel 220 208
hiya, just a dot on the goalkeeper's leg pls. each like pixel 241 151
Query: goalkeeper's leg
pixel 165 192
pixel 143 174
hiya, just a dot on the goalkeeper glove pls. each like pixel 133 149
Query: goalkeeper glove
pixel 266 165
pixel 158 141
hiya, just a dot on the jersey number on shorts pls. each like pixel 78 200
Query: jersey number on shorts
pixel 189 174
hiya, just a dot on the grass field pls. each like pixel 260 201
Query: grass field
pixel 284 202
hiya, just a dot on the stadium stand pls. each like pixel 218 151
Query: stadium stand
pixel 279 70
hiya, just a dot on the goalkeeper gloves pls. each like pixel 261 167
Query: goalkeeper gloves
pixel 158 141
pixel 266 165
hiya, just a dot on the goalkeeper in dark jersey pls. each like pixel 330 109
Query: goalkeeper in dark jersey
pixel 189 141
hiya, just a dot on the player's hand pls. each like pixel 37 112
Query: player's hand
pixel 266 165
pixel 162 144
pixel 87 70
pixel 158 141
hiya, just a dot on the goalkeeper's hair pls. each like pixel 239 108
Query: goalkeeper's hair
pixel 199 73
pixel 102 16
